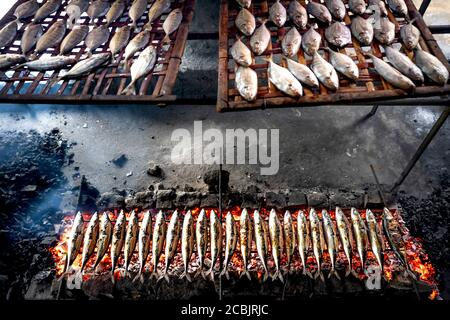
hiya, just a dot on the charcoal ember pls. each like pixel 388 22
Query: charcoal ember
pixel 275 199
pixel 114 199
pixel 165 199
pixel 211 178
pixel 143 200
pixel 120 160
pixel 187 199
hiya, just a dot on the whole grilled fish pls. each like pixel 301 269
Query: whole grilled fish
pixel 247 83
pixel 336 8
pixel 137 9
pixel 30 37
pixel 304 240
pixel 216 241
pixel 145 235
pixel 74 37
pixel 187 243
pixel 311 41
pixel 410 35
pixel 266 234
pixel 345 234
pixel 289 236
pixel 137 43
pixel 49 7
pixel 284 80
pixel 241 53
pixel 398 6
pixel 362 29
pixel 51 37
pixel 357 6
pixel 244 3
pixel 159 236
pixel 325 72
pixel 344 64
pixel 172 237
pixel 276 238
pixel 104 238
pixel 156 10
pixel 8 34
pixel 302 73
pixel 331 240
pixel 375 239
pixel 378 5
pixel 260 39
pixel 26 9
pixel 297 14
pixel 201 236
pixel 85 66
pixel 245 240
pixel 338 34
pixel 116 11
pixel 391 75
pixel 74 11
pixel 98 8
pixel 277 14
pixel 10 59
pixel 230 242
pixel 172 23
pixel 316 241
pixel 360 233
pixel 319 11
pixel 261 246
pixel 245 22
pixel 97 37
pixel 74 242
pixel 118 238
pixel 140 68
pixel 49 63
pixel 403 64
pixel 131 237
pixel 90 240
pixel 384 31
pixel 291 42
pixel 431 66
pixel 119 40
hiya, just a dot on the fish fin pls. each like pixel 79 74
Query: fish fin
pixel 246 273
pixel 130 90
pixel 166 39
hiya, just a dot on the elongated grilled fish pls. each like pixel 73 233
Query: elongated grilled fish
pixel 144 237
pixel 74 10
pixel 311 41
pixel 302 73
pixel 297 14
pixel 410 35
pixel 278 14
pixel 316 241
pixel 384 31
pixel 288 236
pixel 140 68
pixel 137 43
pixel 49 7
pixel 97 37
pixel 118 239
pixel 201 236
pixel 357 6
pixel 319 11
pixel 26 9
pixel 245 22
pixel 345 234
pixel 431 66
pixel 119 40
pixel 375 239
pixel 86 66
pixel 156 10
pixel 325 72
pixel 230 242
pixel 277 241
pixel 241 53
pixel 331 239
pixel 266 234
pixel 403 64
pixel 137 9
pixel 362 29
pixel 398 6
pixel 116 11
pixel 246 82
pixel 74 37
pixel 260 39
pixel 291 42
pixel 172 23
pixel 10 59
pixel 104 238
pixel 74 242
pixel 8 34
pixel 216 241
pixel 131 237
pixel 30 37
pixel 98 8
pixel 159 236
pixel 245 240
pixel 260 241
pixel 304 240
pixel 172 238
pixel 48 63
pixel 336 8
pixel 344 64
pixel 360 233
pixel 244 3
pixel 284 80
pixel 187 243
pixel 51 37
pixel 338 34
pixel 90 240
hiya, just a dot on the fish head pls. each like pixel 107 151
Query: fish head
pixel 294 89
pixel 298 20
pixel 247 28
pixel 365 37
pixel 278 19
pixel 248 92
pixel 258 47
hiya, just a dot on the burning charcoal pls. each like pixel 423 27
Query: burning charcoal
pixel 317 199
pixel 211 178
pixel 120 160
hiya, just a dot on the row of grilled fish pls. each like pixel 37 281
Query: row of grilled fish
pixel 311 234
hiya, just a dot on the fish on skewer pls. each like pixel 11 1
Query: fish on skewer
pixel 216 241
pixel 245 240
pixel 276 238
pixel 345 234
pixel 49 7
pixel 187 243
pixel 201 236
pixel 159 237
pixel 375 239
pixel 360 233
pixel 118 239
pixel 90 240
pixel 261 245
pixel 172 238
pixel 297 14
pixel 30 37
pixel 131 237
pixel 104 238
pixel 302 73
pixel 144 237
pixel 304 240
pixel 230 242
pixel 75 241
pixel 288 236
pixel 316 241
pixel 332 243
pixel 141 68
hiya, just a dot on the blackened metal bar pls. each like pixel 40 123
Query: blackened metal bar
pixel 440 29
pixel 373 111
pixel 220 214
pixel 424 6
pixel 423 146
pixel 380 190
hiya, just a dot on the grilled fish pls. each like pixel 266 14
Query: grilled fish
pixel 74 37
pixel 325 72
pixel 159 236
pixel 297 14
pixel 156 10
pixel 74 11
pixel 26 9
pixel 104 238
pixel 98 8
pixel 119 40
pixel 319 11
pixel 391 75
pixel 316 241
pixel 245 240
pixel 344 64
pixel 360 233
pixel 140 68
pixel 51 37
pixel 245 22
pixel 172 237
pixel 261 246
pixel 375 239
pixel 289 236
pixel 201 236
pixel 291 42
pixel 357 6
pixel 277 14
pixel 431 66
pixel 118 238
pixel 260 39
pixel 331 240
pixel 398 6
pixel 216 241
pixel 172 23
pixel 336 8
pixel 90 240
pixel 403 64
pixel 345 234
pixel 131 237
pixel 116 11
pixel 137 43
pixel 304 240
pixel 97 37
pixel 410 35
pixel 8 34
pixel 284 80
pixel 49 7
pixel 74 242
pixel 10 59
pixel 187 243
pixel 241 53
pixel 244 3
pixel 378 5
pixel 302 73
pixel 30 37
pixel 266 234
pixel 338 34
pixel 230 242
pixel 137 10
pixel 276 237
pixel 145 235
pixel 362 29
pixel 86 66
pixel 384 31
pixel 49 63
pixel 311 41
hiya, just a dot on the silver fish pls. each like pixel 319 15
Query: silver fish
pixel 156 10
pixel 431 66
pixel 325 72
pixel 345 234
pixel 97 37
pixel 116 11
pixel 289 236
pixel 90 240
pixel 139 42
pixel 410 35
pixel 336 8
pixel 74 11
pixel 378 5
pixel 201 236
pixel 304 240
pixel 311 41
pixel 276 238
pixel 384 31
pixel 403 64
pixel 172 238
pixel 277 14
pixel 75 37
pixel 187 243
pixel 344 64
pixel 49 7
pixel 172 23
pixel 104 238
pixel 291 42
pixel 119 40
pixel 398 6
pixel 316 241
pixel 241 53
pixel 8 34
pixel 245 240
pixel 338 34
pixel 245 22
pixel 331 239
pixel 244 3
pixel 118 239
pixel 75 241
pixel 137 10
pixel 159 236
pixel 145 235
pixel 246 83
pixel 26 9
pixel 140 68
pixel 297 14
pixel 131 237
pixel 260 39
pixel 98 8
pixel 10 59
pixel 230 242
pixel 216 241
pixel 30 37
pixel 375 239
pixel 319 11
pixel 261 246
pixel 362 29
pixel 357 6
pixel 266 234
pixel 302 73
pixel 52 37
pixel 85 66
pixel 391 75
pixel 360 233
pixel 49 63
pixel 284 80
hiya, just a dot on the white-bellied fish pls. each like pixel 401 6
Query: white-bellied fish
pixel 331 240
pixel 90 240
pixel 278 14
pixel 241 53
pixel 119 40
pixel 118 239
pixel 172 238
pixel 245 22
pixel 410 35
pixel 384 31
pixel 302 73
pixel 159 236
pixel 284 80
pixel 325 72
pixel 144 239
pixel 336 8
pixel 288 236
pixel 345 234
pixel 85 66
pixel 403 64
pixel 141 68
pixel 75 240
pixel 319 11
pixel 297 14
pixel 276 240
pixel 156 10
pixel 216 241
pixel 362 30
pixel 116 11
pixel 357 6
pixel 104 238
pixel 360 233
pixel 375 239
pixel 131 237
pixel 431 66
pixel 201 237
pixel 187 243
pixel 172 23
pixel 398 6
pixel 246 82
pixel 344 64
pixel 245 240
pixel 338 34
pixel 230 242
pixel 304 240
pixel 311 41
pixel 260 241
pixel 291 42
pixel 137 43
pixel 48 63
pixel 49 7
pixel 260 39
pixel 137 10
pixel 316 241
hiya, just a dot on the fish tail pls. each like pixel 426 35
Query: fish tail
pixel 33 56
pixel 148 26
pixel 71 22
pixel 246 273
pixel 277 274
pixel 130 90
pixel 166 277
pixel 166 39
pixel 334 273
pixel 133 25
